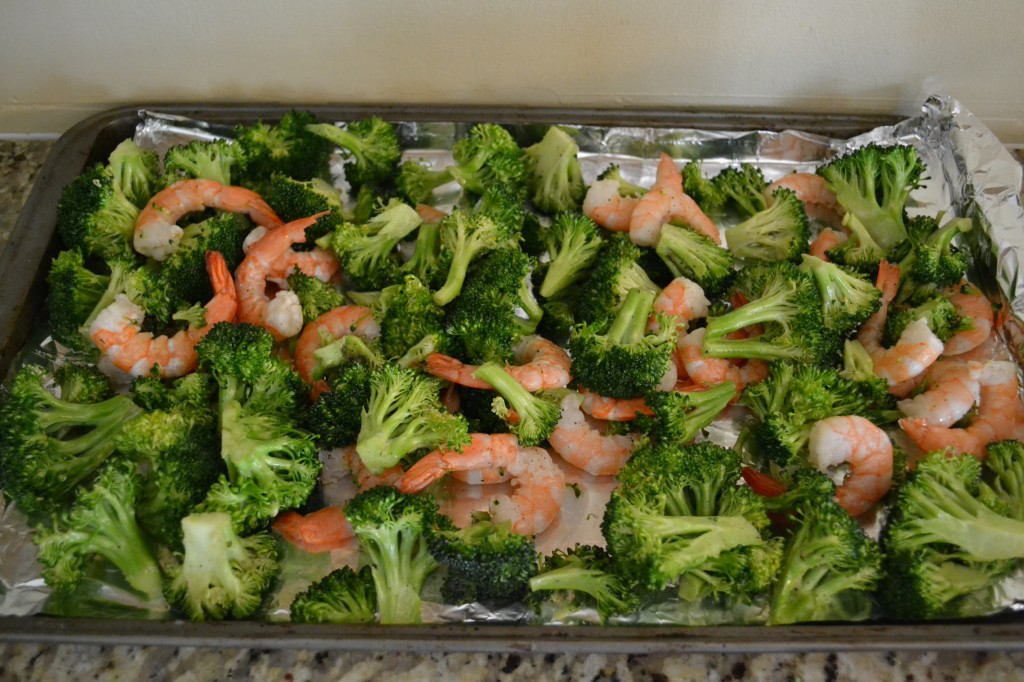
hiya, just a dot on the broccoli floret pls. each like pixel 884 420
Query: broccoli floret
pixel 785 302
pixel 50 444
pixel 949 540
pixel 78 294
pixel 743 187
pixel 195 390
pixel 557 321
pixel 779 232
pixel 315 295
pixel 393 531
pixel 184 271
pixel 487 158
pixel 496 308
pixel 221 575
pixel 679 520
pixel 830 567
pixel 687 253
pixel 1005 459
pixel 553 172
pixel 178 448
pixel 859 368
pixel 680 415
pixel 582 577
pixel 619 358
pixel 207 159
pixel 272 464
pixel 933 260
pixel 367 251
pixel 101 522
pixel 293 199
pixel 341 596
pixel 573 244
pixel 80 382
pixel 428 263
pixel 406 313
pixel 847 297
pixel 95 216
pixel 626 188
pixel 789 401
pixel 335 416
pixel 416 182
pixel 872 184
pixel 467 235
pixel 286 148
pixel 938 312
pixel 372 144
pixel 487 563
pixel 404 414
pixel 136 171
pixel 616 271
pixel 704 191
pixel 531 417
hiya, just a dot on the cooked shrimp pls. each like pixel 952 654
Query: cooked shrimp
pixel 543 364
pixel 282 314
pixel 156 231
pixel 362 476
pixel 971 303
pixel 430 215
pixel 915 350
pixel 861 446
pixel 827 239
pixel 585 446
pixel 539 483
pixel 667 201
pixel 819 201
pixel 334 324
pixel 317 262
pixel 605 206
pixel 116 331
pixel 703 370
pixel 1000 415
pixel 682 298
pixel 613 409
pixel 953 389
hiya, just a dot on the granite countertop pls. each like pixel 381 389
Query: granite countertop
pixel 19 163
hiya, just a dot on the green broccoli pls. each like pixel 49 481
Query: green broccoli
pixel 272 463
pixel 428 263
pixel 743 187
pixel 341 596
pixel 680 415
pixel 573 244
pixel 404 414
pixel 486 561
pixel 136 172
pixel 286 148
pixel 293 199
pixel 687 253
pixel 335 416
pixel 367 252
pixel 779 232
pixel 81 382
pixel 78 294
pixel 406 313
pixel 932 259
pixel 488 158
pixel 100 523
pixel 583 577
pixel 206 159
pixel 393 531
pixel 848 299
pixel 184 271
pixel 220 575
pixel 704 191
pixel 315 295
pixel 468 235
pixel 618 358
pixel 626 188
pixel 416 181
pixel 535 416
pixel 553 172
pixel 938 312
pixel 615 272
pixel 371 143
pixel 48 445
pixel 96 217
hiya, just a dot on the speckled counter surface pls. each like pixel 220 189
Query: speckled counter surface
pixel 19 164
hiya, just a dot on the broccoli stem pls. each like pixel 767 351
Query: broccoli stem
pixel 462 256
pixel 399 571
pixel 120 542
pixel 630 323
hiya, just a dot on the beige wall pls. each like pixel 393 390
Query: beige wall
pixel 62 60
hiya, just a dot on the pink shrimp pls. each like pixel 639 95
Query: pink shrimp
pixel 826 239
pixel 363 477
pixel 861 446
pixel 682 298
pixel 282 314
pixel 703 370
pixel 971 303
pixel 539 484
pixel 116 331
pixel 1000 416
pixel 334 324
pixel 317 262
pixel 543 364
pixel 605 206
pixel 953 389
pixel 586 447
pixel 664 202
pixel 613 409
pixel 810 188
pixel 156 233
pixel 915 350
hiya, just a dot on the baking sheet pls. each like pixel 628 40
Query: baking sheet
pixel 988 176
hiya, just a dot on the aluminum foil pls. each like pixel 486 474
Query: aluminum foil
pixel 969 174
